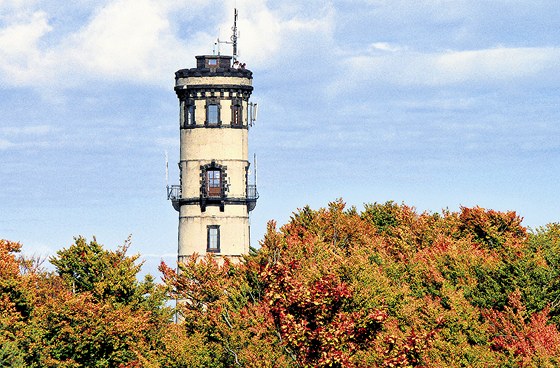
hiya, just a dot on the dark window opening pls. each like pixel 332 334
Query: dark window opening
pixel 236 116
pixel 213 238
pixel 189 114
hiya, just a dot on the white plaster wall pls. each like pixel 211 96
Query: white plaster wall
pixel 234 229
pixel 214 143
pixel 227 147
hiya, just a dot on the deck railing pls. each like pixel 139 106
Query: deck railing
pixel 173 192
pixel 252 193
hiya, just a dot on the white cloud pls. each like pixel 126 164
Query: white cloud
pixel 28 130
pixel 384 46
pixel 29 137
pixel 19 52
pixel 5 144
pixel 268 36
pixel 486 66
pixel 128 39
pixel 496 64
pixel 141 41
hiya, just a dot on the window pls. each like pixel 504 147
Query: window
pixel 236 109
pixel 189 113
pixel 213 113
pixel 214 183
pixel 213 238
pixel 212 62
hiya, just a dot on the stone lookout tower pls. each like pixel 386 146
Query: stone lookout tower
pixel 216 192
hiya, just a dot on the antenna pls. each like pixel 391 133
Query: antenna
pixel 233 38
pixel 166 169
pixel 255 159
pixel 235 35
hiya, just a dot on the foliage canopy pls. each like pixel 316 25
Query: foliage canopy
pixel 334 287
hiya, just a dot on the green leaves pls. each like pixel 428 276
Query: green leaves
pixel 87 267
pixel 92 313
pixel 387 287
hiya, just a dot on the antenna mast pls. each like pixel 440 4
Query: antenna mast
pixel 233 38
pixel 235 34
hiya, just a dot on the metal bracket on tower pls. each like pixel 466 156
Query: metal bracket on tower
pixel 253 109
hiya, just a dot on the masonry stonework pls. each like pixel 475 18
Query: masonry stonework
pixel 214 197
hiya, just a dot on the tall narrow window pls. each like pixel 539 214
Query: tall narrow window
pixel 213 113
pixel 213 242
pixel 189 113
pixel 214 183
pixel 236 109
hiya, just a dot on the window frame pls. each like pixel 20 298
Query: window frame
pixel 213 190
pixel 212 63
pixel 218 122
pixel 190 113
pixel 213 238
pixel 237 107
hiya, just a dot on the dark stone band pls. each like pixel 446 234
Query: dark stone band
pixel 220 72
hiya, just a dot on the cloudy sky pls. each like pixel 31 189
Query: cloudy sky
pixel 437 104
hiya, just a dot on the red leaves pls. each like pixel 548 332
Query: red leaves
pixel 532 339
pixel 491 228
pixel 387 287
pixel 315 317
pixel 406 352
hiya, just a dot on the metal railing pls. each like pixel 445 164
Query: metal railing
pixel 252 193
pixel 173 192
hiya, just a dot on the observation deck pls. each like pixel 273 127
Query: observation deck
pixel 174 194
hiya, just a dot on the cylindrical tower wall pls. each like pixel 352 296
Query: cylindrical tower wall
pixel 214 120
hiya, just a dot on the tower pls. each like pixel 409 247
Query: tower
pixel 215 194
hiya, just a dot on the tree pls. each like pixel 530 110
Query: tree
pixel 94 312
pixel 14 305
pixel 334 287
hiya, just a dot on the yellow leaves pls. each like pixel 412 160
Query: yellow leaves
pixel 9 266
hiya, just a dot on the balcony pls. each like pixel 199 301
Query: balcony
pixel 252 196
pixel 173 192
pixel 175 195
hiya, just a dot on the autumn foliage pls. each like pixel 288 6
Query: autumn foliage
pixel 334 287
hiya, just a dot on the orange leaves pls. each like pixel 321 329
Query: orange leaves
pixel 95 313
pixel 491 228
pixel 310 301
pixel 9 267
pixel 532 340
pixel 387 287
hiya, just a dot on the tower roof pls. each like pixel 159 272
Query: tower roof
pixel 215 65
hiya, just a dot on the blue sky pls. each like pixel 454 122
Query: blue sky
pixel 436 104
